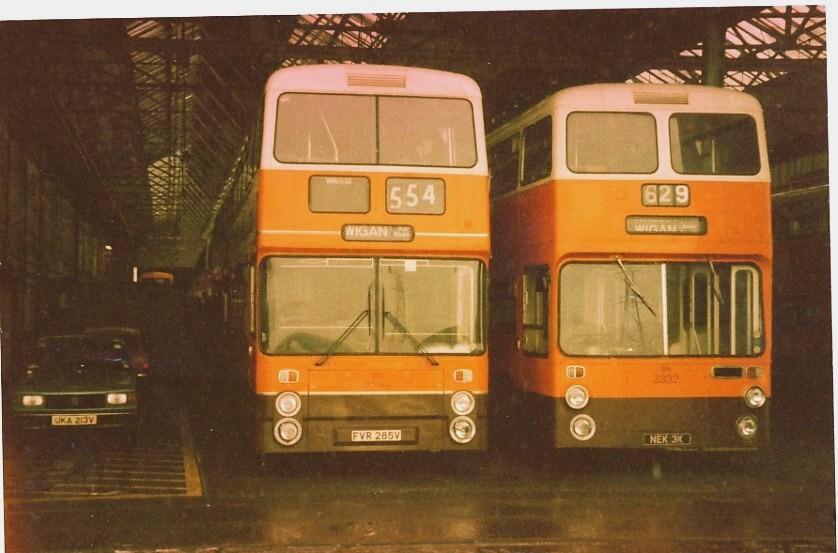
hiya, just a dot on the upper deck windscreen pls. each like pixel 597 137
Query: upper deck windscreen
pixel 608 142
pixel 713 144
pixel 375 130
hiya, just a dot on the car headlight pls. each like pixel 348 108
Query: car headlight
pixel 462 430
pixel 288 431
pixel 117 399
pixel 755 397
pixel 582 427
pixel 747 426
pixel 576 397
pixel 288 404
pixel 462 403
pixel 32 400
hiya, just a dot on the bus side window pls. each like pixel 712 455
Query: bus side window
pixel 534 299
pixel 538 149
pixel 502 298
pixel 504 165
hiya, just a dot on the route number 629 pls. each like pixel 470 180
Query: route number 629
pixel 676 195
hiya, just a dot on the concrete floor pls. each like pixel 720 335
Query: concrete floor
pixel 507 500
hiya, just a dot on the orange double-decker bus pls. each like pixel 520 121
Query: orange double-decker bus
pixel 368 242
pixel 631 279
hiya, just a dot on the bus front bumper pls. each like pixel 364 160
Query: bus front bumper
pixel 657 423
pixel 372 422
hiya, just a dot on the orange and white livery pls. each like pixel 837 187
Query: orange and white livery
pixel 631 277
pixel 369 237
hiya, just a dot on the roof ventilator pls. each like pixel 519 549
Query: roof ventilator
pixel 646 97
pixel 391 81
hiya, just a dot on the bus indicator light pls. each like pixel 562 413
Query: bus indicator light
pixel 463 376
pixel 575 371
pixel 288 376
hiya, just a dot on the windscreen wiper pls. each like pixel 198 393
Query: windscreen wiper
pixel 416 345
pixel 630 284
pixel 715 285
pixel 340 339
pixel 331 136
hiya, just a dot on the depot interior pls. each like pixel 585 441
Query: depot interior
pixel 119 138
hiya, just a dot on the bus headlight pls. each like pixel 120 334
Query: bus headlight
pixel 582 427
pixel 747 426
pixel 288 431
pixel 288 404
pixel 32 401
pixel 462 430
pixel 576 397
pixel 755 397
pixel 462 403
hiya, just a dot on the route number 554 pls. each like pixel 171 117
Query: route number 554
pixel 425 196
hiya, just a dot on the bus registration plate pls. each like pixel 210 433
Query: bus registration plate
pixel 667 439
pixel 73 420
pixel 376 435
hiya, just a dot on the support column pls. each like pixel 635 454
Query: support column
pixel 714 54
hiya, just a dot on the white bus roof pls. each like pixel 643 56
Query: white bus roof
pixel 372 79
pixel 635 97
pixel 615 95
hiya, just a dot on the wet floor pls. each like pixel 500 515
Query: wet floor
pixel 513 499
pixel 500 504
pixel 77 464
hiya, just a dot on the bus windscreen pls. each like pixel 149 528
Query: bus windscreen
pixel 375 130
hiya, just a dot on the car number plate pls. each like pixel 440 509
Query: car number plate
pixel 667 438
pixel 376 435
pixel 73 420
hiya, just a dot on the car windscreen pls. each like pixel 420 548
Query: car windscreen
pixel 67 352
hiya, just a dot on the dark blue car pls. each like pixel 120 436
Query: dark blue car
pixel 77 381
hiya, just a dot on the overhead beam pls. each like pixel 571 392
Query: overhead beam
pixel 279 52
pixel 740 64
